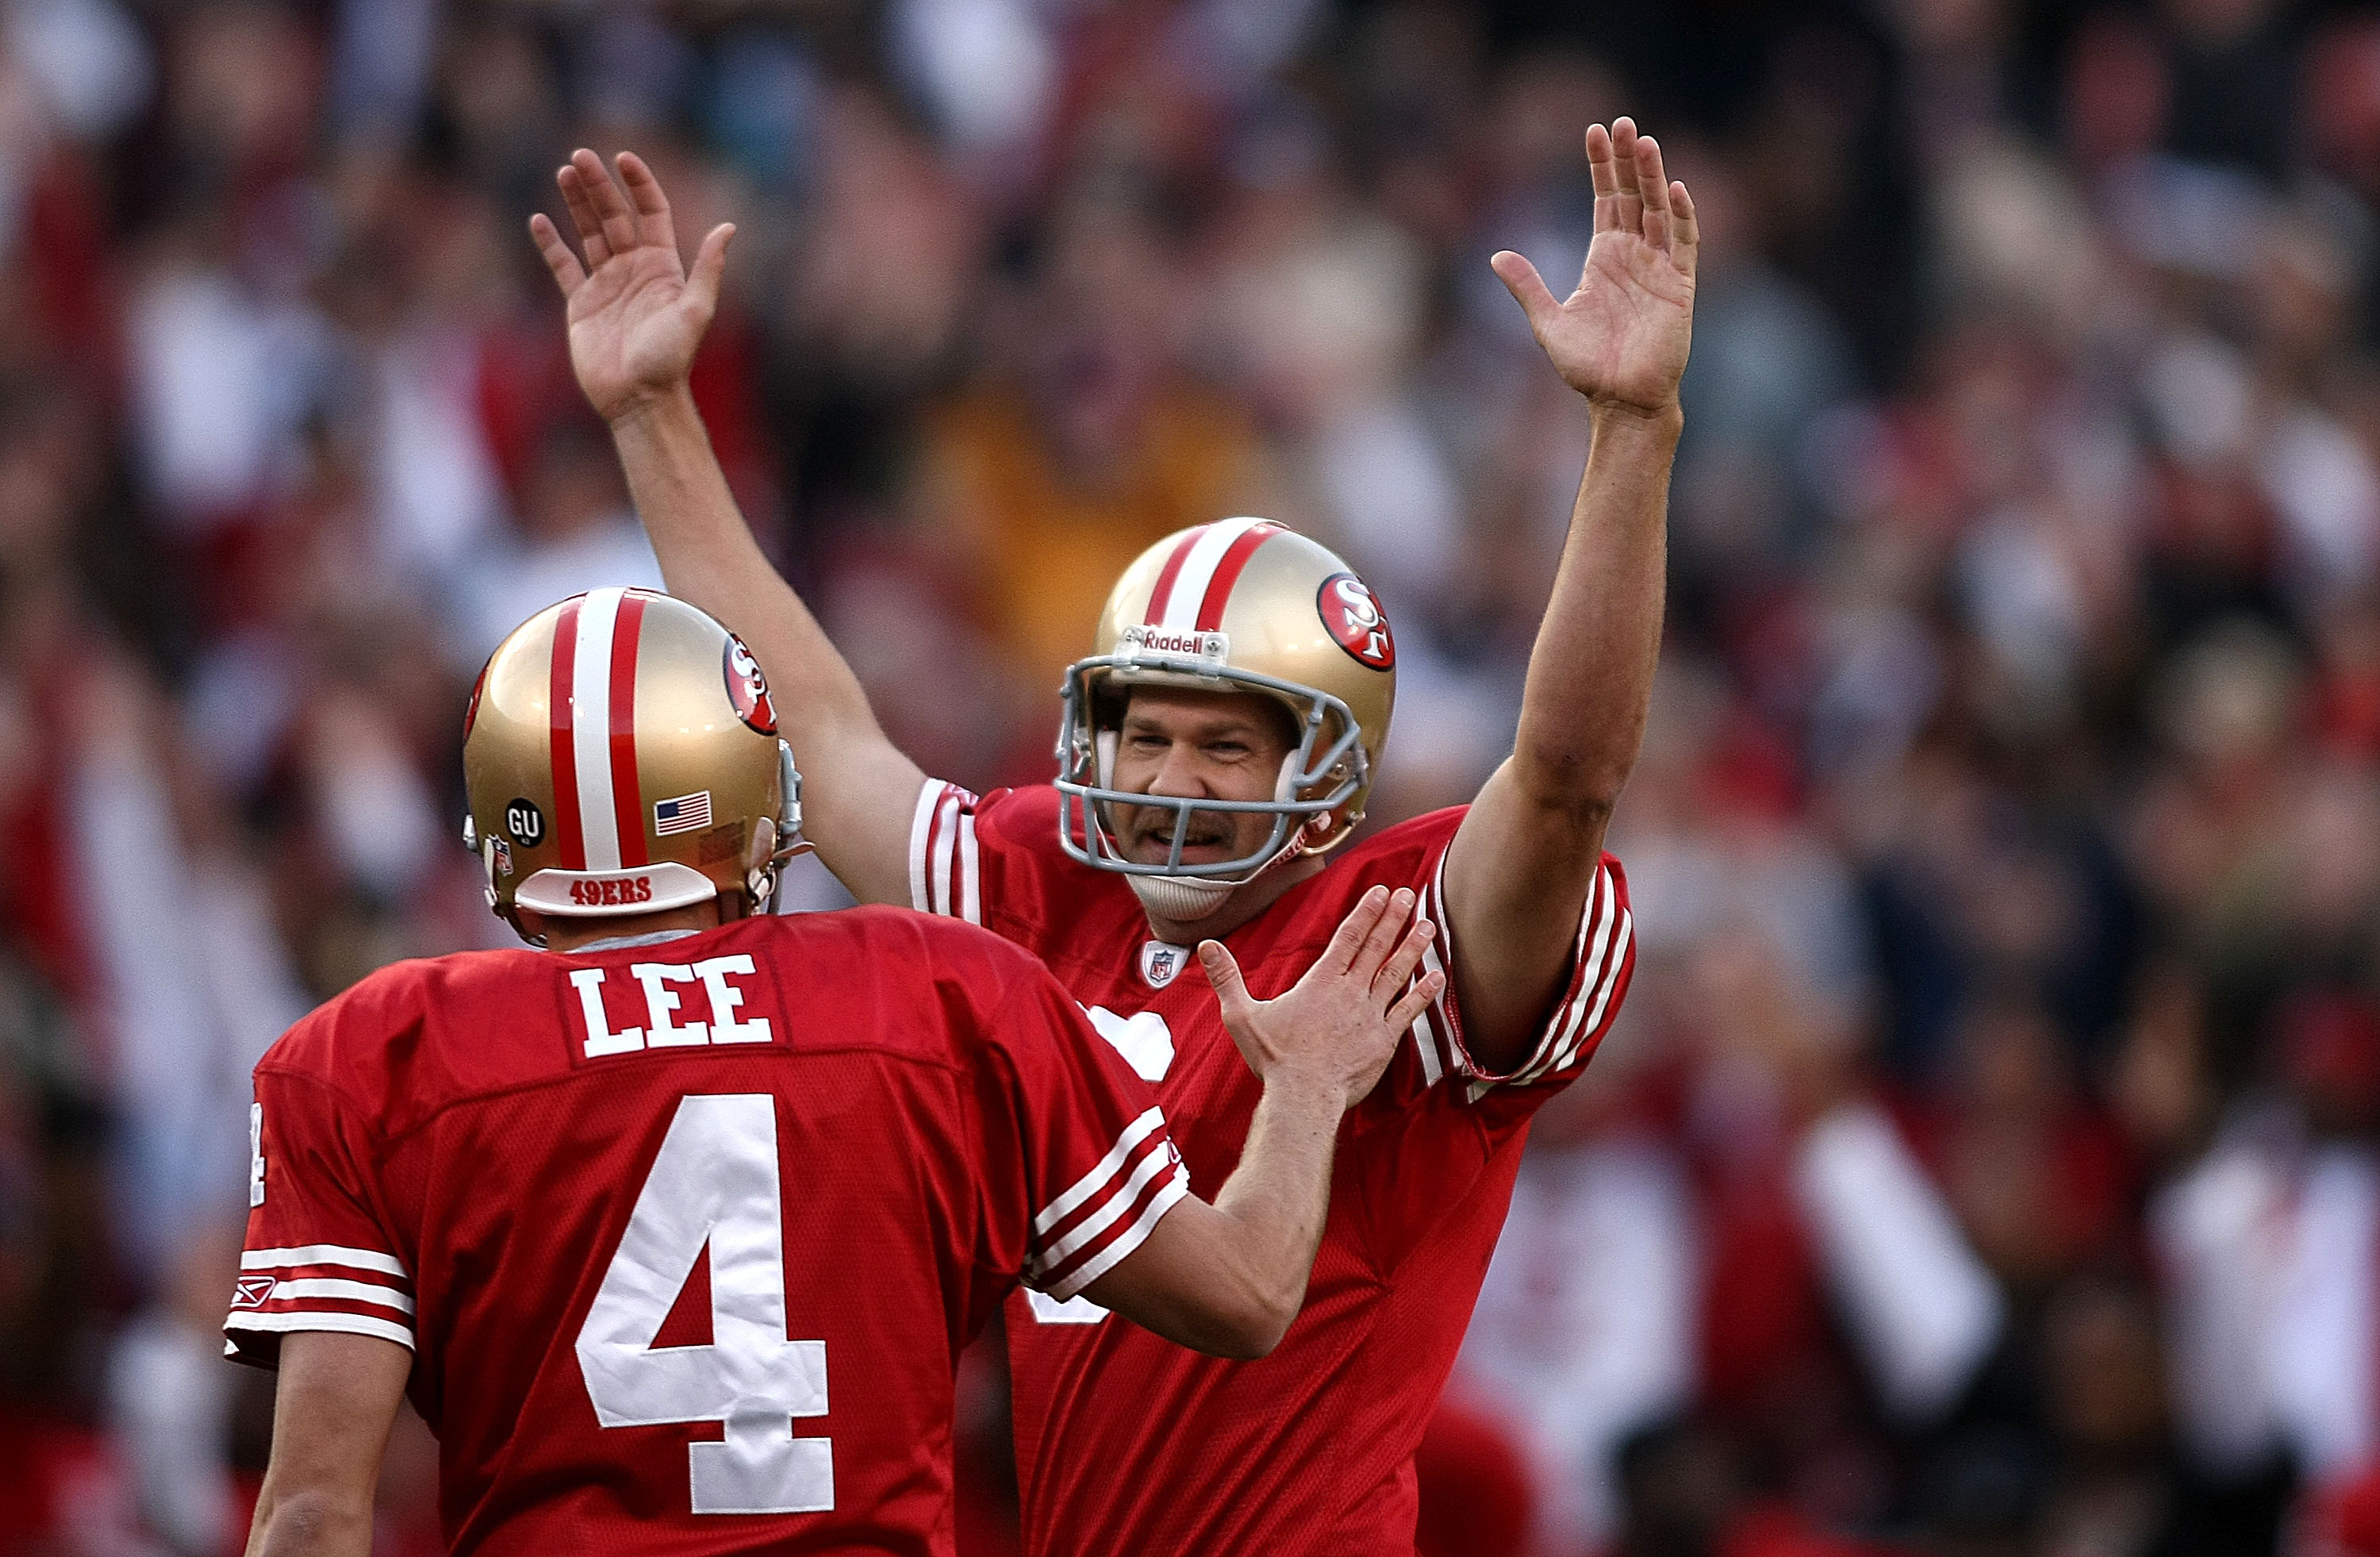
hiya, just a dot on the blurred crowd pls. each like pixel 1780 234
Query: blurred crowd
pixel 1984 1163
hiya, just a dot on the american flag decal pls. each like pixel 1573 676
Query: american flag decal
pixel 685 814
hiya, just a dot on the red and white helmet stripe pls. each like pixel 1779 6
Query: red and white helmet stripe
pixel 1195 585
pixel 599 806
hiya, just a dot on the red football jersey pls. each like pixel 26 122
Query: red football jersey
pixel 515 1162
pixel 1127 1443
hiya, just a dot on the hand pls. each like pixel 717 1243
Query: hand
pixel 1338 1027
pixel 636 313
pixel 1621 339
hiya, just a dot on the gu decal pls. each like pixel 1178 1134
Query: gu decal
pixel 1356 621
pixel 748 690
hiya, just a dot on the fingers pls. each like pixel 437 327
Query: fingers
pixel 1398 970
pixel 1686 238
pixel 573 185
pixel 710 264
pixel 1600 167
pixel 1653 188
pixel 568 272
pixel 652 207
pixel 1408 1009
pixel 619 225
pixel 1230 990
pixel 1628 201
pixel 1382 939
pixel 1347 941
pixel 1528 288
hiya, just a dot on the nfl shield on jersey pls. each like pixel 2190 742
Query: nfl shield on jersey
pixel 1126 1443
pixel 686 1236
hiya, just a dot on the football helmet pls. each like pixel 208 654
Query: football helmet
pixel 621 756
pixel 1238 605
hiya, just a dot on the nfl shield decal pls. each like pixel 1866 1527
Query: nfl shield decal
pixel 1159 961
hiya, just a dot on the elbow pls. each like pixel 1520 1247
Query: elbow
pixel 1579 788
pixel 1262 1320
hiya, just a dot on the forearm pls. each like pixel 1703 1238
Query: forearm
pixel 709 558
pixel 859 790
pixel 1590 676
pixel 1227 1279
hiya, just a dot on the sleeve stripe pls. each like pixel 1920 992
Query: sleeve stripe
pixel 929 797
pixel 1124 1243
pixel 1097 1179
pixel 353 1292
pixel 1623 949
pixel 1594 944
pixel 321 1254
pixel 970 907
pixel 1425 1037
pixel 304 1320
pixel 1082 1233
pixel 938 851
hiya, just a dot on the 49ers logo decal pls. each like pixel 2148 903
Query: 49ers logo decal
pixel 1354 620
pixel 748 690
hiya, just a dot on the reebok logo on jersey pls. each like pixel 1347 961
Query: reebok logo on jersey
pixel 254 1292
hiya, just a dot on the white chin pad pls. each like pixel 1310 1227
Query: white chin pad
pixel 1182 899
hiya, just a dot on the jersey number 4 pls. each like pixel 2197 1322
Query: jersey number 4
pixel 715 1186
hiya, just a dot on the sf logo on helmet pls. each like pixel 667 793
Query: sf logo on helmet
pixel 748 690
pixel 1354 620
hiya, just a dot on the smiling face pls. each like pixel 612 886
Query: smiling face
pixel 1226 745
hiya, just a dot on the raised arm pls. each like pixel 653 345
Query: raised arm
pixel 1228 1278
pixel 635 317
pixel 1520 869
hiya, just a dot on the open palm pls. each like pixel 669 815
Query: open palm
pixel 636 313
pixel 1621 339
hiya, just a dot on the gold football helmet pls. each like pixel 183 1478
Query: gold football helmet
pixel 621 756
pixel 1238 605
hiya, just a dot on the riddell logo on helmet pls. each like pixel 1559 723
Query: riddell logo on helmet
pixel 1215 647
pixel 1355 621
pixel 613 895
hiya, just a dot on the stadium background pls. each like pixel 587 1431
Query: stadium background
pixel 1984 1163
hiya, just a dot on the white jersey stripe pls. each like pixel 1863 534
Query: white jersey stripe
pixel 323 1318
pixel 1198 571
pixel 353 1292
pixel 1424 1038
pixel 946 816
pixel 319 1254
pixel 1594 941
pixel 971 899
pixel 929 796
pixel 1097 1179
pixel 1120 1200
pixel 590 726
pixel 1610 981
pixel 1130 1238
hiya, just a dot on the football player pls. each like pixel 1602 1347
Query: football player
pixel 1217 742
pixel 674 1230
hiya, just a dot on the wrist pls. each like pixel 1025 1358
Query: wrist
pixel 1302 1090
pixel 646 411
pixel 1626 418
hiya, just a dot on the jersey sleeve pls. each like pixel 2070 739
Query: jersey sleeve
pixel 1603 959
pixel 945 856
pixel 1099 1167
pixel 318 1255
